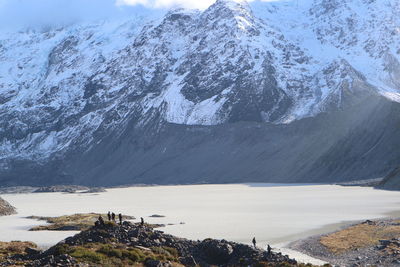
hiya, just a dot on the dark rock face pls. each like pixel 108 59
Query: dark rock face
pixel 392 180
pixel 6 208
pixel 354 144
pixel 218 251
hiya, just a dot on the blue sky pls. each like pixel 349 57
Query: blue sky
pixel 31 13
pixel 17 13
pixel 22 13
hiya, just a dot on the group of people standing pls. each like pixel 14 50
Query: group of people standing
pixel 112 218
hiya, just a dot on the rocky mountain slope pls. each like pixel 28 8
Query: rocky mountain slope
pixel 269 91
pixel 392 180
pixel 6 208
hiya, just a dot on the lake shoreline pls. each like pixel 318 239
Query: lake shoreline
pixel 98 189
pixel 79 189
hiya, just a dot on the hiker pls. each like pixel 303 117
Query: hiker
pixel 101 220
pixel 120 218
pixel 109 216
pixel 254 242
pixel 113 216
pixel 141 221
pixel 269 250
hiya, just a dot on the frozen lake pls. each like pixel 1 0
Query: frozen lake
pixel 274 214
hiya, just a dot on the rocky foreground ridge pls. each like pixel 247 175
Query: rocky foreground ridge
pixel 141 245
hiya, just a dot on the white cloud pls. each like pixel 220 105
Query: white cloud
pixel 201 4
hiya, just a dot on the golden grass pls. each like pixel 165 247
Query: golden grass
pixel 116 254
pixel 14 247
pixel 359 236
pixel 76 222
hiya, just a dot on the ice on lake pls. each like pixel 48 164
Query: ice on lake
pixel 274 214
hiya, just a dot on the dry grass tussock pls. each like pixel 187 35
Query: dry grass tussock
pixel 360 236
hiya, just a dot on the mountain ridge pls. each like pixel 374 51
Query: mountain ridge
pixel 65 92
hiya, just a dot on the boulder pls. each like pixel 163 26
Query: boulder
pixel 32 251
pixel 188 261
pixel 156 263
pixel 6 208
pixel 215 251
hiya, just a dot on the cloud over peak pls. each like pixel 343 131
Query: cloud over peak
pixel 201 4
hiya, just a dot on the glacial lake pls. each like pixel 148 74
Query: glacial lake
pixel 274 214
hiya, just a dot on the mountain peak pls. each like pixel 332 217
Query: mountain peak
pixel 233 4
pixel 238 12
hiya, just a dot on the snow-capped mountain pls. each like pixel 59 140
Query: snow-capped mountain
pixel 65 92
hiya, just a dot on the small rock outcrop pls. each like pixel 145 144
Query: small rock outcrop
pixel 61 189
pixel 157 216
pixel 6 208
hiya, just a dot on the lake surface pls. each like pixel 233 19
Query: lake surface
pixel 274 214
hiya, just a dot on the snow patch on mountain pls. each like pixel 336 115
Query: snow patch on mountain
pixel 271 62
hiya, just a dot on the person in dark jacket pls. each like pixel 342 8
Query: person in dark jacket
pixel 269 249
pixel 101 220
pixel 141 221
pixel 254 242
pixel 109 216
pixel 120 218
pixel 113 216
